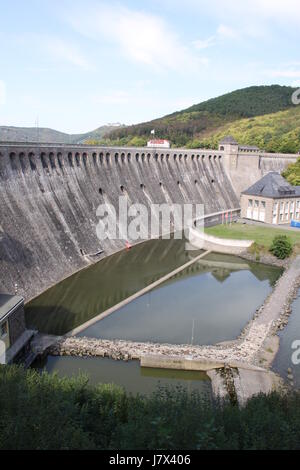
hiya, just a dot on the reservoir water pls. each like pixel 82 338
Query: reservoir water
pixel 128 375
pixel 290 335
pixel 208 303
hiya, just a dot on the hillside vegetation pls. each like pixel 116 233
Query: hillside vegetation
pixel 277 132
pixel 204 124
pixel 45 135
pixel 41 411
pixel 259 115
pixel 292 173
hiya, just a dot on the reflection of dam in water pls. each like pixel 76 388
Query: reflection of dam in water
pixel 197 293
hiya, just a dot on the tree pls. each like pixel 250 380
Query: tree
pixel 292 173
pixel 281 247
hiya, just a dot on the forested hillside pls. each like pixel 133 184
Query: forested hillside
pixel 292 173
pixel 43 134
pixel 198 125
pixel 278 132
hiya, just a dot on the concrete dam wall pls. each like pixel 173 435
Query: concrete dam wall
pixel 50 195
pixel 244 169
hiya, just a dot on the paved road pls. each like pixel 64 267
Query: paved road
pixel 263 224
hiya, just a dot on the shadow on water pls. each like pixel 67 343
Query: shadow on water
pixel 93 290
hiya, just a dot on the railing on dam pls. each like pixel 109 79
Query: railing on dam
pixel 217 218
pixel 81 150
pixel 57 156
pixel 111 148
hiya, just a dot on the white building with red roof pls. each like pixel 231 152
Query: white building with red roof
pixel 159 143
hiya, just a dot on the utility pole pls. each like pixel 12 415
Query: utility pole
pixel 193 331
pixel 37 129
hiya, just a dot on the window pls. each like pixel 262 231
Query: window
pixel 3 329
pixel 256 203
pixel 281 208
pixel 250 203
pixel 262 212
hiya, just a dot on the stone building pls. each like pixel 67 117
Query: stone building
pixel 14 337
pixel 271 200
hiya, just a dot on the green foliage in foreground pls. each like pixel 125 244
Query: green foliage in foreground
pixel 292 173
pixel 45 412
pixel 281 247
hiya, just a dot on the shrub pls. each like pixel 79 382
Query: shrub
pixel 256 249
pixel 281 247
pixel 41 411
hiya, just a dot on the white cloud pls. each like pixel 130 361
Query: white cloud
pixel 225 31
pixel 2 93
pixel 142 37
pixel 250 18
pixel 240 12
pixel 63 51
pixel 205 43
pixel 115 97
pixel 283 73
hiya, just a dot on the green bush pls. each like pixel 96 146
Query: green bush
pixel 281 247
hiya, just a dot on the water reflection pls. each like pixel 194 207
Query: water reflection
pixel 210 303
pixel 219 283
pixel 291 333
pixel 127 374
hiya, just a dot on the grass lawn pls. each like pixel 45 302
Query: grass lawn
pixel 261 235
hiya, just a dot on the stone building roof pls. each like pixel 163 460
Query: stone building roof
pixel 8 303
pixel 228 140
pixel 273 185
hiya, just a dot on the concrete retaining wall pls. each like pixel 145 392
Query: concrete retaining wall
pixel 178 363
pixel 219 245
pixel 245 169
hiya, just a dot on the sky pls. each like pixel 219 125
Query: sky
pixel 76 65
